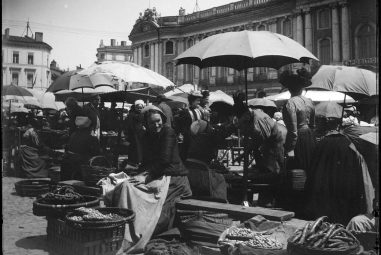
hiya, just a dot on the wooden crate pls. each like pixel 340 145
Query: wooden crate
pixel 64 240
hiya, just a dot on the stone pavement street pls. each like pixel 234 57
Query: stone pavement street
pixel 23 232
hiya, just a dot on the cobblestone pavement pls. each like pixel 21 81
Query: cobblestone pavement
pixel 23 232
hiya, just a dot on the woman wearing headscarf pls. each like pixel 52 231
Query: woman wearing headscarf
pixel 299 117
pixel 31 149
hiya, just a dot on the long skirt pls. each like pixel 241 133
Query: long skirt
pixel 304 148
pixel 336 184
pixel 179 187
pixel 32 166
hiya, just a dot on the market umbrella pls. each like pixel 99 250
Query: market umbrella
pixel 186 88
pixel 128 72
pixel 242 50
pixel 83 93
pixel 315 96
pixel 263 102
pixel 13 92
pixel 355 82
pixel 47 100
pixel 371 137
pixel 328 110
pixel 15 107
pixel 220 96
pixel 72 80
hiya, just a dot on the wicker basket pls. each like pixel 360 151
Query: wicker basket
pixel 32 188
pixel 64 239
pixel 40 209
pixel 298 249
pixel 97 169
pixel 128 217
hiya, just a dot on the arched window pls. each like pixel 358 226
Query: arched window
pixel 169 70
pixel 261 28
pixel 366 42
pixel 146 50
pixel 325 51
pixel 324 19
pixel 169 47
pixel 287 28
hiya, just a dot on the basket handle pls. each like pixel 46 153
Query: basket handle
pixel 97 157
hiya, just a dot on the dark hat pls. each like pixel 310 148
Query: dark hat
pixel 150 108
pixel 194 94
pixel 205 93
pixel 302 78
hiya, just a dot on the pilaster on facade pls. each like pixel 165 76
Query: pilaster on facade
pixel 308 28
pixel 345 30
pixel 299 28
pixel 335 34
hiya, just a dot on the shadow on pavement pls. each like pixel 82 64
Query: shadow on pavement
pixel 33 243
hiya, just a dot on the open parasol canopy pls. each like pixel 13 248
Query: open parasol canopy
pixel 328 110
pixel 356 82
pixel 128 72
pixel 261 102
pixel 315 96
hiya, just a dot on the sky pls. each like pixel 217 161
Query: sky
pixel 74 28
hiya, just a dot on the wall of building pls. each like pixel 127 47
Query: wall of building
pixel 344 16
pixel 40 67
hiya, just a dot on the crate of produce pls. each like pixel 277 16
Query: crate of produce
pixel 33 187
pixel 61 200
pixel 323 238
pixel 64 239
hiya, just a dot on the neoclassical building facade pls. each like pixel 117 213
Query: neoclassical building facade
pixel 336 31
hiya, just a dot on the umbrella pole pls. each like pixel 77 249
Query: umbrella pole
pixel 246 156
pixel 119 132
pixel 342 112
pixel 83 97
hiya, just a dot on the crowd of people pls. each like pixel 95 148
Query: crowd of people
pixel 341 173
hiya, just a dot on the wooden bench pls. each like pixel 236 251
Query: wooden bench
pixel 235 211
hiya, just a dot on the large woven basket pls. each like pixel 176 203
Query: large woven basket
pixel 33 187
pixel 55 210
pixel 298 249
pixel 128 217
pixel 97 168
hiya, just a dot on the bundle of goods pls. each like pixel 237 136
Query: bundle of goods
pixel 321 237
pixel 248 237
pixel 106 217
pixel 60 200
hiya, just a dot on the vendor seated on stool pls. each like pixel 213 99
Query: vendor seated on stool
pixel 81 147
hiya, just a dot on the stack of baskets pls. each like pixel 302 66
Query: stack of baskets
pixel 97 168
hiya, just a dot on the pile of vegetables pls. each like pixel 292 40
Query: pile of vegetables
pixel 323 235
pixel 61 195
pixel 90 214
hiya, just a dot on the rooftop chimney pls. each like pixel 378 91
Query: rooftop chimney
pixel 101 44
pixel 7 33
pixel 123 43
pixel 53 64
pixel 38 36
pixel 112 42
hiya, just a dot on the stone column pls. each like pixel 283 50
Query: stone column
pixel 335 35
pixel 156 47
pixel 345 32
pixel 293 26
pixel 160 57
pixel 152 56
pixel 135 55
pixel 299 28
pixel 140 53
pixel 308 30
pixel 180 68
pixel 196 70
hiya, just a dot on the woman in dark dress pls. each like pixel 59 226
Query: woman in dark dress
pixel 339 184
pixel 161 157
pixel 298 115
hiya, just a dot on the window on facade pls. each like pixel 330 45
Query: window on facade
pixel 261 28
pixel 146 50
pixel 102 56
pixel 231 71
pixel 325 51
pixel 15 78
pixel 287 28
pixel 113 57
pixel 29 80
pixel 169 47
pixel 30 58
pixel 262 70
pixel 15 57
pixel 324 19
pixel 366 46
pixel 126 57
pixel 169 70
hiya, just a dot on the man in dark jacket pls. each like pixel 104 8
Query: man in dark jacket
pixel 73 110
pixel 91 111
